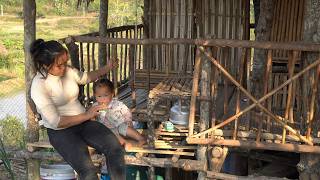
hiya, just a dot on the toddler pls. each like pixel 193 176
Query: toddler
pixel 117 116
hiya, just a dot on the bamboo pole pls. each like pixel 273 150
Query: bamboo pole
pixel 257 102
pixel 194 92
pixel 298 46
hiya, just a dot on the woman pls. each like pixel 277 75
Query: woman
pixel 70 127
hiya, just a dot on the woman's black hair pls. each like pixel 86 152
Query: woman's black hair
pixel 103 83
pixel 44 54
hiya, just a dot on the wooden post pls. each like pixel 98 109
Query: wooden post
pixel 204 110
pixel 73 49
pixel 29 10
pixel 103 22
pixel 217 156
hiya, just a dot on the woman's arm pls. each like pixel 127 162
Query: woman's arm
pixel 68 121
pixel 94 75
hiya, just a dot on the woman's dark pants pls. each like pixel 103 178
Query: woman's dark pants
pixel 72 144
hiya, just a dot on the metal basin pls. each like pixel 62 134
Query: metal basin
pixel 179 114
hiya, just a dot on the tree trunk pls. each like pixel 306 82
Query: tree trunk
pixel 263 33
pixel 103 26
pixel 309 163
pixel 29 12
pixel 29 7
pixel 204 111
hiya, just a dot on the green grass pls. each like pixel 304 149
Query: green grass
pixel 11 36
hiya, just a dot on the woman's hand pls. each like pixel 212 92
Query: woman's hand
pixel 93 111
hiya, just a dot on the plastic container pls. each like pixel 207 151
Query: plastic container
pixel 57 172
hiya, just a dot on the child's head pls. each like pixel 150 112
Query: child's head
pixel 103 90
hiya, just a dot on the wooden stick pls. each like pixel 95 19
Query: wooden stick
pixel 256 103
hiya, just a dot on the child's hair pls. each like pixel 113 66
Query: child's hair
pixel 103 83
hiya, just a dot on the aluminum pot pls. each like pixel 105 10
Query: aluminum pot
pixel 179 114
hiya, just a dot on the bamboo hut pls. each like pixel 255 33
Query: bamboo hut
pixel 200 53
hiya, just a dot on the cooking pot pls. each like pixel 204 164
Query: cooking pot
pixel 179 114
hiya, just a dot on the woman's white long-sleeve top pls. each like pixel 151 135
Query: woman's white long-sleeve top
pixel 57 96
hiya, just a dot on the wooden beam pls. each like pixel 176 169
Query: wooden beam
pixel 257 145
pixel 298 46
pixel 185 164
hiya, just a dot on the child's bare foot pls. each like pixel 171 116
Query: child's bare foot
pixel 127 145
pixel 142 141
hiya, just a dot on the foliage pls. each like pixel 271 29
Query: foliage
pixel 12 132
pixel 5 159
